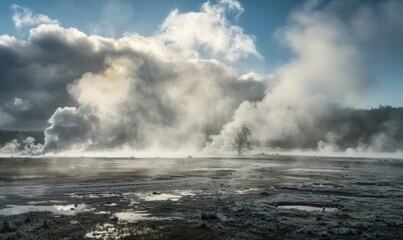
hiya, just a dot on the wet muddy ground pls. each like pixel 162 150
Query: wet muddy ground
pixel 267 197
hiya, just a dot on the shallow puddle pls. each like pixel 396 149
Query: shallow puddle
pixel 132 216
pixel 245 191
pixel 159 197
pixel 69 209
pixel 309 208
pixel 27 177
pixel 103 212
pixel 44 202
pixel 156 196
pixel 316 170
pixel 111 204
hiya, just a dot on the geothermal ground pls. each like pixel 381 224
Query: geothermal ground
pixel 278 197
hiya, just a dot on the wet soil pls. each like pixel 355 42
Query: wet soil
pixel 266 197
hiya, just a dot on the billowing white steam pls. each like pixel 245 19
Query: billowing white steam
pixel 158 91
pixel 147 102
pixel 327 66
pixel 26 147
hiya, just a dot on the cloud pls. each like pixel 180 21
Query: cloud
pixel 24 17
pixel 214 35
pixel 39 68
pixel 21 104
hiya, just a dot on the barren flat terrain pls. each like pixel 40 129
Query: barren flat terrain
pixel 278 197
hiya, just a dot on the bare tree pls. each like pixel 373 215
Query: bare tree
pixel 241 143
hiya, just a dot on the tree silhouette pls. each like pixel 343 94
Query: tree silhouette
pixel 241 143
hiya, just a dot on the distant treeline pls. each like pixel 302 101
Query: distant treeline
pixel 380 129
